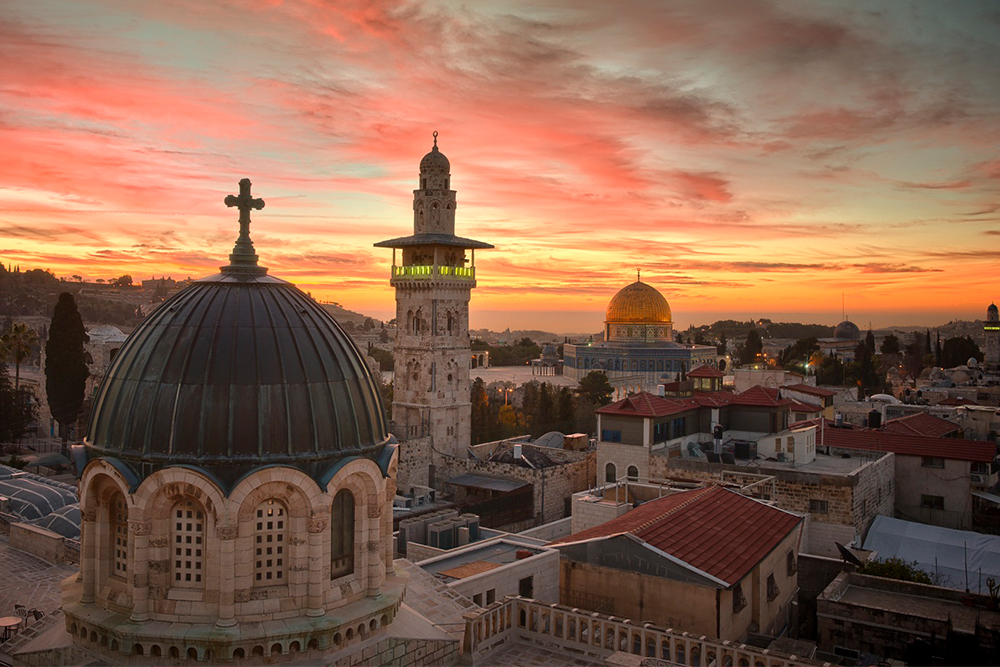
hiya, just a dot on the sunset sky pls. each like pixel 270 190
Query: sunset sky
pixel 754 159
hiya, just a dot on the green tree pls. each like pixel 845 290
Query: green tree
pixel 369 324
pixel 594 388
pixel 800 351
pixel 545 411
pixel 890 345
pixel 566 410
pixel 830 371
pixel 17 409
pixel 870 343
pixel 721 348
pixel 18 343
pixel 384 358
pixel 752 348
pixel 123 281
pixel 957 351
pixel 65 369
pixel 480 412
pixel 383 336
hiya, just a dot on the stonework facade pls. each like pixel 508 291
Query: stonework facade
pixel 433 280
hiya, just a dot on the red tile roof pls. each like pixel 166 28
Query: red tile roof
pixel 645 404
pixel 874 440
pixel 706 371
pixel 714 530
pixel 958 401
pixel 811 390
pixel 760 397
pixel 921 423
pixel 798 406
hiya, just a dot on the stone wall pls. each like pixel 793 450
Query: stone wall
pixel 621 456
pixel 47 545
pixel 893 626
pixel 592 510
pixel 852 500
pixel 552 485
pixel 414 464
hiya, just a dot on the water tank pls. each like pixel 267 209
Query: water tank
pixel 874 419
pixel 517 451
pixel 838 420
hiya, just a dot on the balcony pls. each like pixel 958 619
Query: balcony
pixel 431 272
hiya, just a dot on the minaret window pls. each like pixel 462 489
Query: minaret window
pixel 423 183
pixel 342 535
pixel 451 324
pixel 269 544
pixel 119 534
pixel 189 531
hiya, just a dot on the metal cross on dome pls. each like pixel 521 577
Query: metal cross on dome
pixel 244 202
pixel 243 258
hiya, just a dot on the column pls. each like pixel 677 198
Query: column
pixel 88 533
pixel 139 565
pixel 227 534
pixel 317 527
pixel 374 545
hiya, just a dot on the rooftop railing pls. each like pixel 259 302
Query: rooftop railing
pixel 595 635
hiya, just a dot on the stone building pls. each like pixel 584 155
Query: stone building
pixel 708 561
pixel 433 279
pixel 237 482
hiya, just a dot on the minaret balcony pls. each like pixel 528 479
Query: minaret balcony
pixel 434 272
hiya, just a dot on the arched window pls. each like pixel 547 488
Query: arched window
pixel 610 474
pixel 342 535
pixel 119 534
pixel 269 544
pixel 633 473
pixel 451 324
pixel 189 532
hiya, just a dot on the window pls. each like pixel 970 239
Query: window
pixel 932 502
pixel 772 588
pixel 791 564
pixel 478 599
pixel 491 596
pixel 739 600
pixel 526 587
pixel 342 535
pixel 610 474
pixel 633 473
pixel 678 427
pixel 608 435
pixel 818 506
pixel 661 432
pixel 189 531
pixel 269 544
pixel 119 534
pixel 932 462
pixel 980 468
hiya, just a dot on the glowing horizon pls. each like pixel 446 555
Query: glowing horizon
pixel 754 159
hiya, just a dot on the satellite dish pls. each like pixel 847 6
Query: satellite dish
pixel 846 554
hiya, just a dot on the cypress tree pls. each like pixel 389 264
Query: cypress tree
pixel 65 365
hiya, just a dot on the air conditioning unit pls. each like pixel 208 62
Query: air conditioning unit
pixel 979 479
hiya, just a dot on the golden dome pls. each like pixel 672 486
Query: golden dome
pixel 639 303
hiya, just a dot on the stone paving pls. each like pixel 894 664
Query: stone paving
pixel 27 580
pixel 529 655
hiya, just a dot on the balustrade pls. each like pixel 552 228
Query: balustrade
pixel 599 635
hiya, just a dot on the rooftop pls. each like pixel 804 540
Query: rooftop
pixel 809 389
pixel 480 558
pixel 875 440
pixel 714 530
pixel 921 423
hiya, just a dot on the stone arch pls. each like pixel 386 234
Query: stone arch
pixel 158 492
pixel 610 473
pixel 105 505
pixel 363 479
pixel 300 494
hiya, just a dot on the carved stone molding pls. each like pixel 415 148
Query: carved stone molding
pixel 89 515
pixel 228 531
pixel 373 546
pixel 374 510
pixel 345 590
pixel 160 543
pixel 316 524
pixel 140 528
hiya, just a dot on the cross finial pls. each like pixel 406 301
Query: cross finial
pixel 435 138
pixel 243 258
pixel 638 275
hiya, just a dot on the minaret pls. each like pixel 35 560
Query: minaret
pixel 991 331
pixel 433 278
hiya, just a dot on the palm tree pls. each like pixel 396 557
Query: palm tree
pixel 18 342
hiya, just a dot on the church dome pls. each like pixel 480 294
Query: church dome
pixel 435 162
pixel 992 313
pixel 847 330
pixel 640 303
pixel 236 371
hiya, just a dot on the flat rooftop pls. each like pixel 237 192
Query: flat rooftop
pixel 964 618
pixel 476 561
pixel 823 464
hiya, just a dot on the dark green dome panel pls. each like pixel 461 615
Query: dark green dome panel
pixel 236 371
